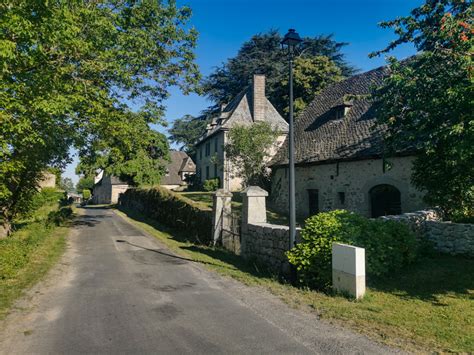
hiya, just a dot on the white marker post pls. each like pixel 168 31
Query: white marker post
pixel 348 269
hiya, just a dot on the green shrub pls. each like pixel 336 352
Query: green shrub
pixel 211 184
pixel 46 195
pixel 389 245
pixel 172 210
pixel 60 216
pixel 86 194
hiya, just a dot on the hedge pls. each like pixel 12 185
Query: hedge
pixel 389 245
pixel 172 210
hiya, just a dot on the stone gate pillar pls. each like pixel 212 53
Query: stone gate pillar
pixel 254 208
pixel 221 213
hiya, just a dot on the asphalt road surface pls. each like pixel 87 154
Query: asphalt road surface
pixel 119 291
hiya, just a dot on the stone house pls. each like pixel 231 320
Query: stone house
pixel 178 169
pixel 339 162
pixel 248 107
pixel 48 180
pixel 107 189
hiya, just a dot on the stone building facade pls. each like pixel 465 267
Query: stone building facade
pixel 48 180
pixel 107 189
pixel 346 185
pixel 248 107
pixel 340 162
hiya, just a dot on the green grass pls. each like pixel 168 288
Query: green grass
pixel 27 255
pixel 428 307
pixel 206 199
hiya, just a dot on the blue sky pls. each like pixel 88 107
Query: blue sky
pixel 224 25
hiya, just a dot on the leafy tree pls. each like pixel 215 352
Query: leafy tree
pixel 70 70
pixel 66 184
pixel 311 75
pixel 85 183
pixel 426 102
pixel 249 149
pixel 187 130
pixel 263 54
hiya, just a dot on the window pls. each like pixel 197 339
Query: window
pixel 216 142
pixel 313 199
pixel 207 172
pixel 342 198
pixel 200 153
pixel 339 112
pixel 208 149
pixel 385 200
pixel 215 170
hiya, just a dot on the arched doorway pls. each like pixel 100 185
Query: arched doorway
pixel 385 200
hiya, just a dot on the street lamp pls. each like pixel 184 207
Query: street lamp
pixel 291 40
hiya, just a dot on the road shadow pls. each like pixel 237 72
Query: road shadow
pixel 166 254
pixel 88 220
pixel 249 266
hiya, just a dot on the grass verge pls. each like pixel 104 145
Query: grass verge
pixel 428 307
pixel 28 254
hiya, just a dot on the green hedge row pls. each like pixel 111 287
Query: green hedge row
pixel 389 245
pixel 172 210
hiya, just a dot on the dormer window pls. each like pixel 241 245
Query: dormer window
pixel 339 113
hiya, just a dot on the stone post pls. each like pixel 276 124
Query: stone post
pixel 221 213
pixel 253 206
pixel 348 269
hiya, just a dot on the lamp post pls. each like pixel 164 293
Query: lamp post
pixel 291 40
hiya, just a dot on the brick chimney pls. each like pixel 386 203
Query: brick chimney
pixel 259 97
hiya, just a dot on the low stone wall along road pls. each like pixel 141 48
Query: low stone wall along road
pixel 119 291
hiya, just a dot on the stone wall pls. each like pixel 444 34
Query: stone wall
pixel 446 237
pixel 352 179
pixel 268 243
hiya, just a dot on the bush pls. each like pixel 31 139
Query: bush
pixel 86 194
pixel 46 195
pixel 211 184
pixel 389 245
pixel 60 216
pixel 172 210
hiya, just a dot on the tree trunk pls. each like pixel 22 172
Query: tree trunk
pixel 5 224
pixel 5 229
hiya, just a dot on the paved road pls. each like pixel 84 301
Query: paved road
pixel 120 291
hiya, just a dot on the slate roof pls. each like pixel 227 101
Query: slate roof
pixel 320 137
pixel 179 162
pixel 114 180
pixel 239 111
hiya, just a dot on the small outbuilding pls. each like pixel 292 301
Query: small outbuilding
pixel 107 189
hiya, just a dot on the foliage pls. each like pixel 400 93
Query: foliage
pixel 426 102
pixel 263 54
pixel 85 182
pixel 172 210
pixel 31 249
pixel 66 184
pixel 311 75
pixel 388 245
pixel 86 194
pixel 187 130
pixel 248 149
pixel 60 216
pixel 71 71
pixel 211 184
